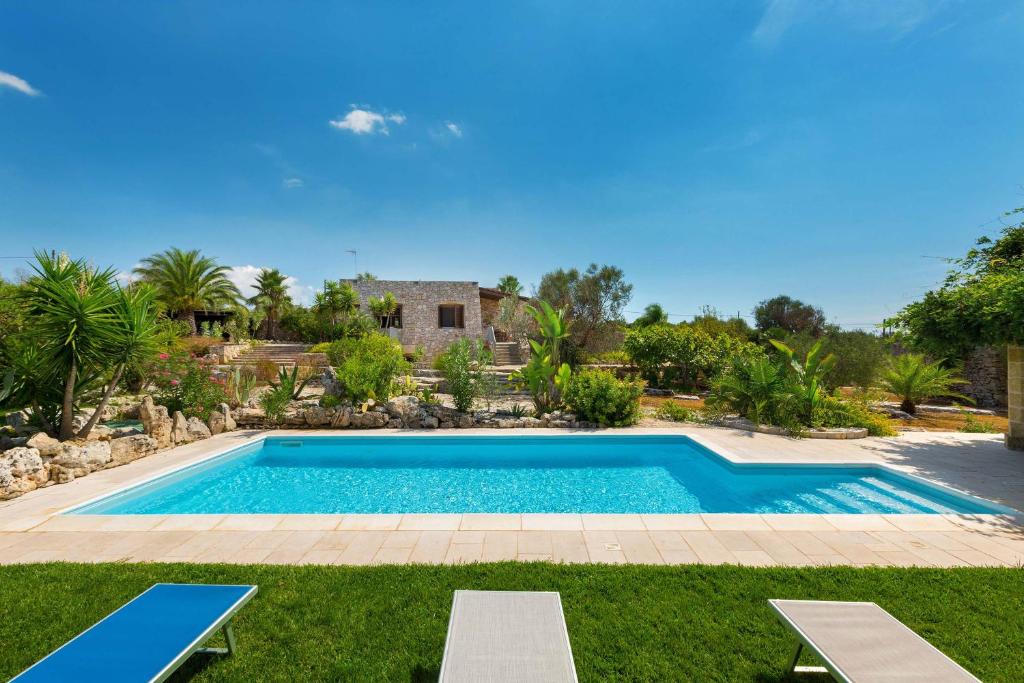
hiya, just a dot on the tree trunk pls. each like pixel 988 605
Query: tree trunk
pixel 193 327
pixel 1015 397
pixel 68 406
pixel 908 407
pixel 84 432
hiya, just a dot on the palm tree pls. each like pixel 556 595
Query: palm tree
pixel 914 379
pixel 186 281
pixel 654 314
pixel 509 284
pixel 271 297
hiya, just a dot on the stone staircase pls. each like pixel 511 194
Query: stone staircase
pixel 428 378
pixel 284 355
pixel 507 353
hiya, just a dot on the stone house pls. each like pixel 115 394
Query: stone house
pixel 433 313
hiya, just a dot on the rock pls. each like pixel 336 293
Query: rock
pixel 447 425
pixel 179 428
pixel 44 443
pixel 216 422
pixel 430 422
pixel 330 383
pixel 21 471
pixel 121 432
pixel 395 423
pixel 403 407
pixel 342 417
pixel 465 421
pixel 130 448
pixel 17 419
pixel 197 429
pixel 229 422
pixel 155 421
pixel 317 416
pixel 100 433
pixel 369 420
pixel 80 460
pixel 532 422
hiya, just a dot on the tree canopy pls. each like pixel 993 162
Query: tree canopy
pixel 981 301
pixel 789 314
pixel 653 314
pixel 593 302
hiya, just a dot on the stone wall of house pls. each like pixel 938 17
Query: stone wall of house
pixel 420 300
pixel 985 370
pixel 489 311
pixel 1015 382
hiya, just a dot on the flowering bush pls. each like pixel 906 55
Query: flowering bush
pixel 187 384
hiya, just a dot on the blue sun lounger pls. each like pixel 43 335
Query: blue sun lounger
pixel 148 638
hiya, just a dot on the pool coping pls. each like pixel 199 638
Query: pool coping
pixel 32 528
pixel 715 450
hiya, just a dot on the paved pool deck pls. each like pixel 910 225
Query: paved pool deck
pixel 32 530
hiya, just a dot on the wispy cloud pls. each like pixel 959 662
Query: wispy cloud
pixel 20 84
pixel 292 183
pixel 244 278
pixel 363 121
pixel 453 128
pixel 897 17
pixel 291 176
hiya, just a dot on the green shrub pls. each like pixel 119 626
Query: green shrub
pixel 836 412
pixel 973 425
pixel 188 385
pixel 758 389
pixel 329 401
pixel 675 412
pixel 599 396
pixel 462 365
pixel 683 354
pixel 367 366
pixel 617 357
pixel 275 402
pixel 322 347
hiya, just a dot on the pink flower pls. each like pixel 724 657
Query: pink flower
pixel 164 356
pixel 174 382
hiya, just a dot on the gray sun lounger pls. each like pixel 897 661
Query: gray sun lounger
pixel 859 642
pixel 506 637
pixel 147 639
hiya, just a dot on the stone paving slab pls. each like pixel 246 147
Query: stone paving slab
pixel 33 530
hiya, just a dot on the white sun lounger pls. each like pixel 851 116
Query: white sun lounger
pixel 859 642
pixel 506 637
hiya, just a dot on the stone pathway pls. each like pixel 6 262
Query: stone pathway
pixel 32 531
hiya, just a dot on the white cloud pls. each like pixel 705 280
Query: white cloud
pixel 366 122
pixel 453 128
pixel 292 183
pixel 896 17
pixel 244 278
pixel 19 84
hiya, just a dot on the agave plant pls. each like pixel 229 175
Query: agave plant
pixel 914 379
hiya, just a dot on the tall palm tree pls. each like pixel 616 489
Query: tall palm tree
pixel 509 284
pixel 271 297
pixel 186 281
pixel 384 308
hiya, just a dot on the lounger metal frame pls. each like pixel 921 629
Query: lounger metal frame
pixel 803 640
pixel 223 623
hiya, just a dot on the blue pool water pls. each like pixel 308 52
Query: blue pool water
pixel 610 474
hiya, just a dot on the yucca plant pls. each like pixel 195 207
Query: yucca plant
pixel 914 379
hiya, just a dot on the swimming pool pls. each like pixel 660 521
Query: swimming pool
pixel 519 474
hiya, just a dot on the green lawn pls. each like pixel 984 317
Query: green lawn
pixel 626 623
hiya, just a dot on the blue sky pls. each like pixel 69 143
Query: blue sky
pixel 718 152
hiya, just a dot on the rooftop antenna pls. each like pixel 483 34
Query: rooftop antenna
pixel 355 263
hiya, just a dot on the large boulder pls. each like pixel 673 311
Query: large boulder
pixel 155 421
pixel 130 448
pixel 342 417
pixel 74 460
pixel 331 384
pixel 21 470
pixel 45 444
pixel 229 422
pixel 197 429
pixel 317 416
pixel 179 428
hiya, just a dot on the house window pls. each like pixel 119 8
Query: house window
pixel 451 315
pixel 396 319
